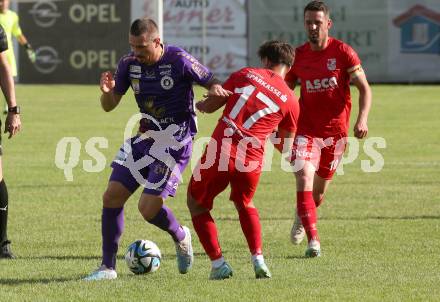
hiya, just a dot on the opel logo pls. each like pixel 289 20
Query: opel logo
pixel 47 59
pixel 45 13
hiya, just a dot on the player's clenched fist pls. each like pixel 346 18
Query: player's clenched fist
pixel 107 82
pixel 360 129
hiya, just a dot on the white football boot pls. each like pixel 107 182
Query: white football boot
pixel 102 273
pixel 184 252
pixel 313 249
pixel 297 233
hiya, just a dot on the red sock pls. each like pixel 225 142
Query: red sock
pixel 250 224
pixel 307 212
pixel 206 230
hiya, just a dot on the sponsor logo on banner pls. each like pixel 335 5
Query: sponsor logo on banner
pixel 81 47
pixel 93 58
pixel 45 13
pixel 225 24
pixel 331 64
pixel 419 30
pixel 167 82
pixel 47 59
pixel 226 17
pixel 94 13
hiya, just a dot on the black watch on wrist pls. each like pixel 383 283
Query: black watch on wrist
pixel 15 110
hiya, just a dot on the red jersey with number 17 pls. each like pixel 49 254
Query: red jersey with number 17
pixel 261 103
pixel 325 100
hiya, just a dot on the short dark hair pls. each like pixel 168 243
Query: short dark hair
pixel 142 26
pixel 317 6
pixel 277 52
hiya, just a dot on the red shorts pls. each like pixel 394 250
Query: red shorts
pixel 324 154
pixel 207 183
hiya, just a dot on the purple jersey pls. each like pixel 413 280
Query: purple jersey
pixel 164 90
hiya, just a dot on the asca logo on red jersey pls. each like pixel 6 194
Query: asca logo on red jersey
pixel 320 85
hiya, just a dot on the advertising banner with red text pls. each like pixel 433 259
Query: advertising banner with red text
pixel 215 32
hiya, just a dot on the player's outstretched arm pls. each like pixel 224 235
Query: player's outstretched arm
pixel 211 103
pixel 215 98
pixel 365 98
pixel 215 89
pixel 109 100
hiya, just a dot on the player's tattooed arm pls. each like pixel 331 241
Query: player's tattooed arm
pixel 109 100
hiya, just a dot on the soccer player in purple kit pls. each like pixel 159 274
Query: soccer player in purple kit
pixel 161 77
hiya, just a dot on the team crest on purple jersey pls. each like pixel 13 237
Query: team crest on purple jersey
pixel 167 82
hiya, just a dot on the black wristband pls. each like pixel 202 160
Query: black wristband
pixel 15 110
pixel 27 46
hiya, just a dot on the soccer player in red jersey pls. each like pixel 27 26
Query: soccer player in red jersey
pixel 325 67
pixel 261 103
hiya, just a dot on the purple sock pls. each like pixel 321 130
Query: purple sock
pixel 165 220
pixel 112 226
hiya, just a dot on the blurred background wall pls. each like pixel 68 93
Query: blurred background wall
pixel 397 40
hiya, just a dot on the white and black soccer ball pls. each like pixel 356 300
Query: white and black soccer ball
pixel 143 256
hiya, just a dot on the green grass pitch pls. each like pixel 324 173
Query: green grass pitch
pixel 380 231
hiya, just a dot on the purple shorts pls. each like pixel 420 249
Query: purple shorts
pixel 158 170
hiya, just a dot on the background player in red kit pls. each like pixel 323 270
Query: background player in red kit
pixel 261 103
pixel 325 67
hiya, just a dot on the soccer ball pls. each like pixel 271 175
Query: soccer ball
pixel 143 256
